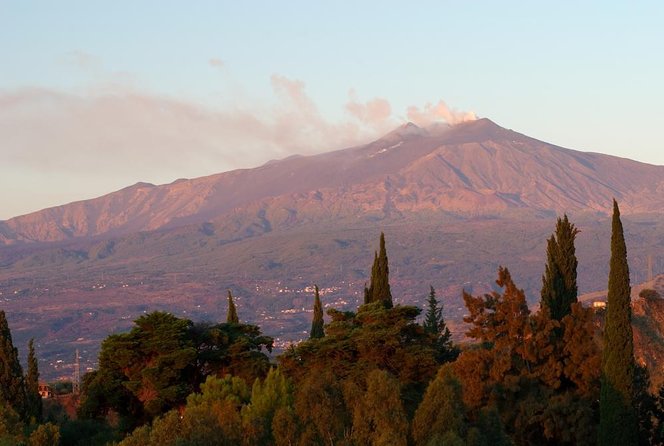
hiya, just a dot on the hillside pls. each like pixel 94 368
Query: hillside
pixel 454 203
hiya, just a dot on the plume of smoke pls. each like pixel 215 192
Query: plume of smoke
pixel 432 113
pixel 376 113
pixel 215 62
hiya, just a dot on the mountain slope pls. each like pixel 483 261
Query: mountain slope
pixel 471 169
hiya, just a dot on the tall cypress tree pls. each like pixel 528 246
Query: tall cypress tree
pixel 559 289
pixel 34 406
pixel 231 316
pixel 12 387
pixel 618 424
pixel 379 290
pixel 317 323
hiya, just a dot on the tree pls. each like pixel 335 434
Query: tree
pixel 267 397
pixel 45 435
pixel 317 323
pixel 34 401
pixel 379 289
pixel 617 418
pixel 434 324
pixel 231 316
pixel 153 368
pixel 379 418
pixel 441 411
pixel 559 289
pixel 12 387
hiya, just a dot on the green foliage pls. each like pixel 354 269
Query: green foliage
pixel 45 435
pixel 434 324
pixel 378 417
pixel 442 411
pixel 153 368
pixel 559 289
pixel 235 349
pixel 34 401
pixel 229 388
pixel 376 337
pixel 231 316
pixel 12 386
pixel 86 433
pixel 267 397
pixel 317 324
pixel 11 427
pixel 320 409
pixel 618 424
pixel 379 289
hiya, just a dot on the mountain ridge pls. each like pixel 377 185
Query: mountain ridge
pixel 474 168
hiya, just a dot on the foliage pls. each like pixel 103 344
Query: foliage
pixel 618 424
pixel 379 418
pixel 559 289
pixel 434 324
pixel 375 337
pixel 34 401
pixel 317 324
pixel 152 369
pixel 267 397
pixel 379 289
pixel 12 386
pixel 231 316
pixel 442 410
pixel 542 384
pixel 45 435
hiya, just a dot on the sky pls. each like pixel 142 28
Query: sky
pixel 96 96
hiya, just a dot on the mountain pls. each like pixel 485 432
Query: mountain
pixel 468 170
pixel 455 202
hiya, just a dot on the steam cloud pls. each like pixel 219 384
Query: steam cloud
pixel 432 113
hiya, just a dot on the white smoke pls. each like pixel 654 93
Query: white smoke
pixel 432 113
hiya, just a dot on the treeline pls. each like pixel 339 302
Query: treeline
pixel 376 376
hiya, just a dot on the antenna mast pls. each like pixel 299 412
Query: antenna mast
pixel 76 381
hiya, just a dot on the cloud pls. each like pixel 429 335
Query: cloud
pixel 376 113
pixel 82 60
pixel 215 62
pixel 432 113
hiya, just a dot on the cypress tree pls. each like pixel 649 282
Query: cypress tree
pixel 379 290
pixel 618 423
pixel 559 289
pixel 34 409
pixel 231 316
pixel 317 323
pixel 12 388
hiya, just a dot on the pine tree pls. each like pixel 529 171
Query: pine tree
pixel 12 388
pixel 617 418
pixel 434 323
pixel 34 407
pixel 317 323
pixel 434 317
pixel 379 290
pixel 559 289
pixel 231 316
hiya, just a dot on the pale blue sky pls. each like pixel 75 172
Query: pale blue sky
pixel 95 96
